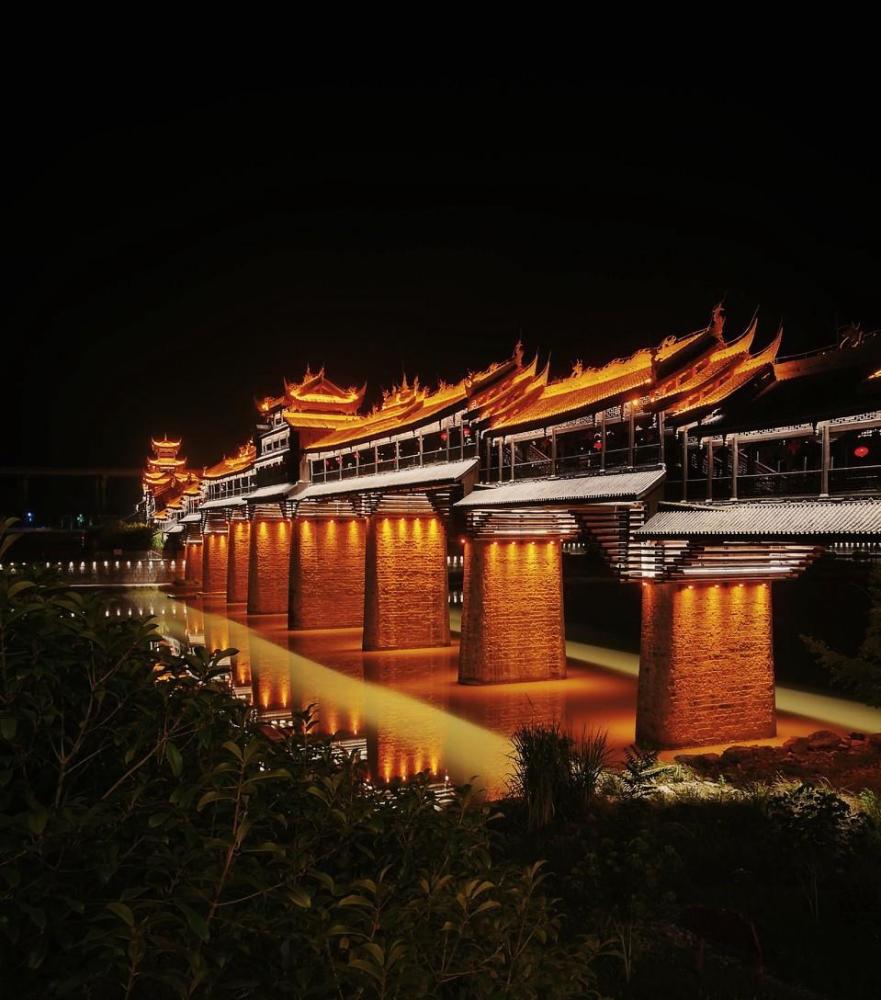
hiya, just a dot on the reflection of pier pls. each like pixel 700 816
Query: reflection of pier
pixel 410 714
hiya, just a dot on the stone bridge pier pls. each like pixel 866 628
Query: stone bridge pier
pixel 513 625
pixel 193 557
pixel 238 558
pixel 215 548
pixel 269 560
pixel 513 621
pixel 327 571
pixel 706 667
pixel 372 551
pixel 406 597
pixel 706 664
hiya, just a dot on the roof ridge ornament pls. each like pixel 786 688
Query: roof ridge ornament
pixel 717 321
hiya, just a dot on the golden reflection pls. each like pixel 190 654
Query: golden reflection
pixel 407 704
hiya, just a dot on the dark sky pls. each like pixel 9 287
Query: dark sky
pixel 179 246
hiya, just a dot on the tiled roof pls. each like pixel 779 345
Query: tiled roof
pixel 706 369
pixel 584 388
pixel 191 519
pixel 425 475
pixel 711 393
pixel 769 520
pixel 228 466
pixel 408 407
pixel 577 489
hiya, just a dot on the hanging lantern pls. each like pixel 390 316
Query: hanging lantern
pixel 443 435
pixel 861 451
pixel 467 431
pixel 598 446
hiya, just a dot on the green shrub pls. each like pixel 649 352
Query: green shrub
pixel 154 843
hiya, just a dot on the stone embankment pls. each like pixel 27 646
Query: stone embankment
pixel 850 763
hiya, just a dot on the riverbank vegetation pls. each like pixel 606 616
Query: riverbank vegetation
pixel 156 842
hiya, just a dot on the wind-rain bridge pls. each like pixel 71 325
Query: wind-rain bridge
pixel 702 469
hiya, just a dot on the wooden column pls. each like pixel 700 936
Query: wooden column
pixel 710 468
pixel 684 463
pixel 631 436
pixel 735 465
pixel 826 460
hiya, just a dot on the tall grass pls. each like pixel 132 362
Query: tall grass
pixel 554 774
pixel 590 758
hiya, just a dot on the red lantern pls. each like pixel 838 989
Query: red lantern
pixel 598 446
pixel 467 431
pixel 443 435
pixel 861 451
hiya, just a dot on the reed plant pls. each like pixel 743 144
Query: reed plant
pixel 554 774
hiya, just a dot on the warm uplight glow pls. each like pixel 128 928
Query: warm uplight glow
pixel 269 566
pixel 706 664
pixel 238 557
pixel 406 596
pixel 327 586
pixel 512 619
pixel 214 563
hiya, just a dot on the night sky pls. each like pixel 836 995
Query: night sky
pixel 180 247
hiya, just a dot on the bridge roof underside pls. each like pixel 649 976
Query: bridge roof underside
pixel 223 504
pixel 820 520
pixel 278 491
pixel 626 486
pixel 426 475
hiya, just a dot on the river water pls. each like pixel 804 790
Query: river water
pixel 406 711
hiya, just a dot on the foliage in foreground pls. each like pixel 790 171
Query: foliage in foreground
pixel 859 675
pixel 154 843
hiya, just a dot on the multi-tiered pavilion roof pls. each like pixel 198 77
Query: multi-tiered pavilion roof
pixel 166 475
pixel 410 404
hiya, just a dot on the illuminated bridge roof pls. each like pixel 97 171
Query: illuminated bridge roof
pixel 230 465
pixel 624 380
pixel 411 405
pixel 812 519
pixel 425 475
pixel 607 486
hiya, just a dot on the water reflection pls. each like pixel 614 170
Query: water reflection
pixel 405 708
